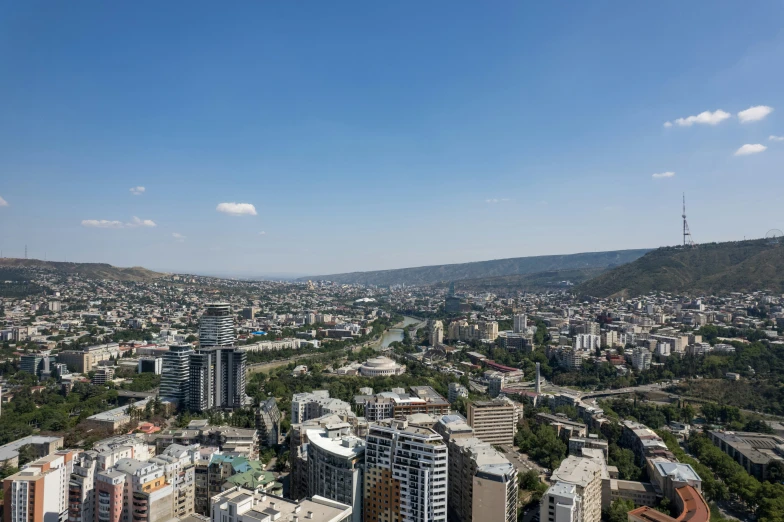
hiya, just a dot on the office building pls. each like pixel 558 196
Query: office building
pixel 576 445
pixel 268 423
pixel 103 375
pixel 216 326
pixel 39 492
pixel 150 365
pixel 405 473
pixel 243 505
pixel 35 363
pixel 516 342
pixel 336 461
pixel 494 422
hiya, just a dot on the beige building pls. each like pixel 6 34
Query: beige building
pixel 482 483
pixel 576 493
pixel 493 421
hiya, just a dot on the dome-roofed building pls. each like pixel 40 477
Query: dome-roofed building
pixel 381 367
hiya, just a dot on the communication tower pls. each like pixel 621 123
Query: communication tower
pixel 687 239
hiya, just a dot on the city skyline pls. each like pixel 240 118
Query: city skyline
pixel 282 140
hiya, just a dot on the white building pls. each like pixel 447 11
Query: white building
pixel 641 358
pixel 520 323
pixel 587 342
pixel 381 367
pixel 408 463
pixel 311 405
pixel 242 505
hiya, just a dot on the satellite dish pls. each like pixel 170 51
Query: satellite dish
pixel 774 236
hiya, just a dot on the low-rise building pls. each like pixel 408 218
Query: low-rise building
pixel 753 451
pixel 242 505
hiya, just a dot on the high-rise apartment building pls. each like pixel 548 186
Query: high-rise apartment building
pixel 520 323
pixel 217 377
pixel 175 374
pixel 482 482
pixel 336 460
pixel 405 473
pixel 200 381
pixel 39 493
pixel 216 326
pixel 493 421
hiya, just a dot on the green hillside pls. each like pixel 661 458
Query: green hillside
pixel 426 275
pixel 715 268
pixel 86 270
pixel 537 282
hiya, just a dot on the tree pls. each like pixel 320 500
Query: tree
pixel 26 454
pixel 619 509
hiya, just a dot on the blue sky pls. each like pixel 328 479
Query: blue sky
pixel 372 135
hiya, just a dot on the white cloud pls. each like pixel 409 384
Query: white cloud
pixel 661 175
pixel 136 222
pixel 704 118
pixel 756 113
pixel 667 124
pixel 3 203
pixel 105 223
pixel 237 209
pixel 262 233
pixel 750 149
pixel 137 191
pixel 496 200
pixel 771 138
pixel 102 223
pixel 179 237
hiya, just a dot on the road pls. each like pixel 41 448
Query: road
pixel 520 460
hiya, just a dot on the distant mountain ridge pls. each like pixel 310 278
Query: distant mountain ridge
pixel 715 268
pixel 425 275
pixel 86 270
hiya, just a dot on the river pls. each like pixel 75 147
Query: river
pixel 396 334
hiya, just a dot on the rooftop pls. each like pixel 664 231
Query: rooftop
pixel 577 470
pixel 346 446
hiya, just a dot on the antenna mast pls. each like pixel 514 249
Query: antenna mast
pixel 687 239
